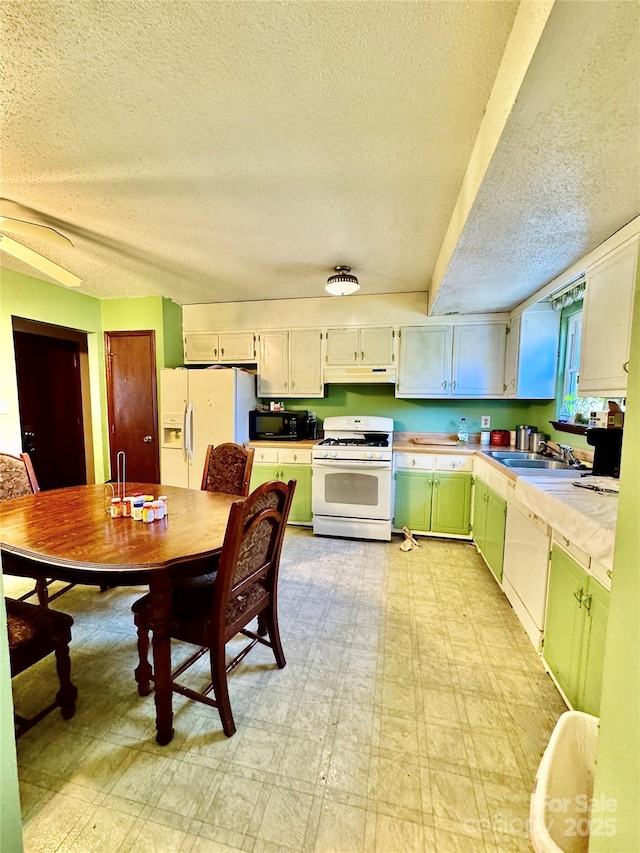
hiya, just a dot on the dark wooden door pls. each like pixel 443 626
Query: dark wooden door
pixel 133 404
pixel 50 400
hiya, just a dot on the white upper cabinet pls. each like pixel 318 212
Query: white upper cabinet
pixel 290 363
pixel 478 360
pixel 361 346
pixel 532 353
pixel 273 363
pixel 606 324
pixel 305 363
pixel 215 347
pixel 461 360
pixel 425 361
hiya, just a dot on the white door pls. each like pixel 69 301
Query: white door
pixel 478 360
pixel 305 363
pixel 425 361
pixel 273 370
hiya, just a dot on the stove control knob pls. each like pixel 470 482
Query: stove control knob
pixel 325 453
pixel 334 454
pixel 370 455
pixel 378 455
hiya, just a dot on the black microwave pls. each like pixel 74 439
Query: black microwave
pixel 286 426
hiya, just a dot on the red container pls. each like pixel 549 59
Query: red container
pixel 500 438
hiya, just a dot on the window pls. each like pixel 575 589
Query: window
pixel 571 408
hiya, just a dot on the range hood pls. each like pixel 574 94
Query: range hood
pixel 359 375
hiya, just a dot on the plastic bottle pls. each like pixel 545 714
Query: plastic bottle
pixel 463 431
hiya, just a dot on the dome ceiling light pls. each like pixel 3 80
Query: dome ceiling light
pixel 342 283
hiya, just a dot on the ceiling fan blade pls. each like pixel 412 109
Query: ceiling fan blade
pixel 31 229
pixel 39 262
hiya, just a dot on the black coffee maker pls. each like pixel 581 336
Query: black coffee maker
pixel 607 444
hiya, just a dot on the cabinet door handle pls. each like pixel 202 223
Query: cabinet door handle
pixel 586 602
pixel 221 350
pixel 413 461
pixel 504 388
pixel 579 596
pixel 453 384
pixel 625 367
pixel 362 355
pixel 215 352
pixel 355 356
pixel 444 383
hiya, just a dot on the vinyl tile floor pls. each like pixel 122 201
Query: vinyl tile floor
pixel 411 716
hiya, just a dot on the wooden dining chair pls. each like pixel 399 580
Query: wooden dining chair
pixel 227 468
pixel 17 478
pixel 34 633
pixel 246 587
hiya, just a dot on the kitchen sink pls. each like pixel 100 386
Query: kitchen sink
pixel 534 463
pixel 512 454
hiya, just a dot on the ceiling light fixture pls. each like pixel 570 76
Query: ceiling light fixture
pixel 39 262
pixel 342 284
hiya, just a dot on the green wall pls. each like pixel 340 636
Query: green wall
pixel 33 299
pixel 618 761
pixel 423 415
pixel 10 815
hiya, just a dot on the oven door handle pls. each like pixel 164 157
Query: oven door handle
pixel 350 463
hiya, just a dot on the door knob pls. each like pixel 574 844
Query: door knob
pixel 147 439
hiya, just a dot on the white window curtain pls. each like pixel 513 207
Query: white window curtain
pixel 572 294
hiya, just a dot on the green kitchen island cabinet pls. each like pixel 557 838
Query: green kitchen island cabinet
pixel 575 631
pixel 433 502
pixel 489 521
pixel 285 465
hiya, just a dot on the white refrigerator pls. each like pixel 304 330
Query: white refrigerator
pixel 199 407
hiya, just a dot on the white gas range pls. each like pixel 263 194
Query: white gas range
pixel 352 491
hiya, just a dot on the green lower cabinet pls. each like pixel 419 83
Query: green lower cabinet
pixel 494 532
pixel 300 512
pixel 433 503
pixel 451 504
pixel 575 631
pixel 480 513
pixel 262 474
pixel 413 500
pixel 489 522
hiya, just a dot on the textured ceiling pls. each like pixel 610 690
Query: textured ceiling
pixel 224 151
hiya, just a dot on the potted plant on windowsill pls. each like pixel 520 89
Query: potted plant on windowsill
pixel 566 415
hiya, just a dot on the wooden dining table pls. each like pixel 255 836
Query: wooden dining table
pixel 67 534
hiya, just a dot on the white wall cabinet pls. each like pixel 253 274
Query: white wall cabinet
pixel 219 347
pixel 531 362
pixel 290 363
pixel 459 360
pixel 606 324
pixel 348 346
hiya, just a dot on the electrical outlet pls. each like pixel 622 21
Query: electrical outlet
pixel 485 422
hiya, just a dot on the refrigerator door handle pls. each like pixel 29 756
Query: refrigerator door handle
pixel 191 432
pixel 185 438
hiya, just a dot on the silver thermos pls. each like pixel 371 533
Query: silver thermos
pixel 523 431
pixel 534 441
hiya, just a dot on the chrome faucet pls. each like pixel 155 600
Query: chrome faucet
pixel 564 453
pixel 567 455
